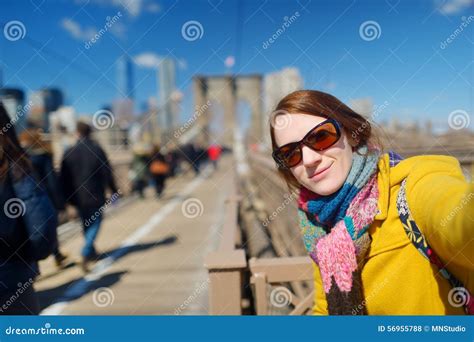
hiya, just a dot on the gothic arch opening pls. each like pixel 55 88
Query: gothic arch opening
pixel 228 90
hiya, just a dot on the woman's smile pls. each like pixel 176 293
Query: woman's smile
pixel 321 174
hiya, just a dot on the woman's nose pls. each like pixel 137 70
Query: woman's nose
pixel 310 157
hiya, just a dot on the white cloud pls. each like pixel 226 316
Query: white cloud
pixel 133 7
pixel 119 30
pixel 152 60
pixel 148 60
pixel 78 32
pixel 153 8
pixel 454 6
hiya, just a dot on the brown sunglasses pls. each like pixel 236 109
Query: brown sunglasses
pixel 321 137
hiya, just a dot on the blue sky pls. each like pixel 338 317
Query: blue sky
pixel 406 66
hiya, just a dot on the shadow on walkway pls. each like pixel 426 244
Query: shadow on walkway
pixel 75 289
pixel 79 287
pixel 120 252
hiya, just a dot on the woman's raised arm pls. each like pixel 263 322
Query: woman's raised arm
pixel 442 204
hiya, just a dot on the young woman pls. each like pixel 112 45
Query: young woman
pixel 27 225
pixel 387 236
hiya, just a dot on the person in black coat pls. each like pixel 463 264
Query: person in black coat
pixel 85 176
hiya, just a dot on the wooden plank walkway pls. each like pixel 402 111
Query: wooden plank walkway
pixel 153 253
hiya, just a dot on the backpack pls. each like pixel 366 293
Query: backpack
pixel 417 238
pixel 158 167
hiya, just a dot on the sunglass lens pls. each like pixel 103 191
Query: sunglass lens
pixel 290 156
pixel 323 137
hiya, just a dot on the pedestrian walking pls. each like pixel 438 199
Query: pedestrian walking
pixel 85 176
pixel 139 170
pixel 214 153
pixel 159 169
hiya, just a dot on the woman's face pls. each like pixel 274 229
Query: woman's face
pixel 322 172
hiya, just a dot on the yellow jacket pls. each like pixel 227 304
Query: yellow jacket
pixel 397 279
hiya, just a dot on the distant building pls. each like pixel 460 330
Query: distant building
pixel 43 103
pixel 64 118
pixel 167 83
pixel 14 101
pixel 125 77
pixel 278 84
pixel 54 99
pixel 122 110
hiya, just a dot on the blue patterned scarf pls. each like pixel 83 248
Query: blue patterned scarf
pixel 334 230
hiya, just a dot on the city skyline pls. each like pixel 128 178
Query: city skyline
pixel 421 70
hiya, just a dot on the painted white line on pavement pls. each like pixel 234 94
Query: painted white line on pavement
pixel 81 286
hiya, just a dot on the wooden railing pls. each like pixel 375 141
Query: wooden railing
pixel 275 273
pixel 226 264
pixel 280 202
pixel 281 285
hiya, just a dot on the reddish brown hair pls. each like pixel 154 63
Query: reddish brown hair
pixel 12 156
pixel 357 128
